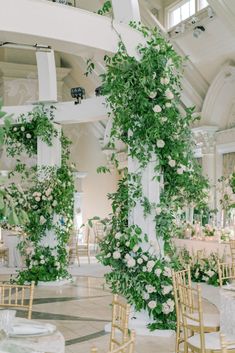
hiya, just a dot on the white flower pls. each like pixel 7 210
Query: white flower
pixel 152 304
pixel 172 163
pixel 140 261
pixel 136 248
pixel 42 262
pixel 150 289
pixel 164 119
pixel 168 105
pixel 108 255
pixel 41 257
pixel 15 129
pixel 180 171
pixel 42 220
pixel 154 75
pixel 210 273
pixel 166 308
pixel 144 257
pixel 164 80
pixel 166 289
pixel 158 210
pixel 57 264
pixel 167 272
pixel 146 296
pixel 205 278
pixel 116 255
pixel 160 143
pixel 157 109
pixel 131 262
pixel 54 204
pixel 127 243
pixel 144 269
pixel 169 94
pixel 118 236
pixel 150 264
pixel 157 47
pixel 28 136
pixel 167 259
pixel 48 192
pixel 152 95
pixel 37 198
pixel 22 128
pixel 158 272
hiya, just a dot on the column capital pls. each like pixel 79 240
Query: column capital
pixel 204 138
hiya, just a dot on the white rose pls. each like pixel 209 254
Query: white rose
pixel 172 163
pixel 116 255
pixel 164 119
pixel 180 171
pixel 150 289
pixel 127 243
pixel 150 264
pixel 166 309
pixel 158 210
pixel 157 109
pixel 28 136
pixel 37 198
pixel 22 128
pixel 167 81
pixel 136 248
pixel 152 304
pixel 144 257
pixel 160 143
pixel 152 95
pixel 166 289
pixel 15 129
pixel 169 94
pixel 168 105
pixel 146 296
pixel 118 236
pixel 167 272
pixel 131 262
pixel 162 80
pixel 140 261
pixel 42 220
pixel 54 204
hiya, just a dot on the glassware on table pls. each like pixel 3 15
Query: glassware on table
pixel 6 320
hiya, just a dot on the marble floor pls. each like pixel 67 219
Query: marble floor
pixel 80 311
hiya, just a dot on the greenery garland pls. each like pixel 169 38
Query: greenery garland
pixel 47 201
pixel 144 98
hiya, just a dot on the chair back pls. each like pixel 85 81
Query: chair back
pixel 225 345
pixel 226 272
pixel 180 277
pixel 192 312
pixel 127 347
pixel 99 231
pixel 120 321
pixel 232 250
pixel 17 296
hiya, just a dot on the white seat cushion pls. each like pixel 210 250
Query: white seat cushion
pixel 209 320
pixel 212 341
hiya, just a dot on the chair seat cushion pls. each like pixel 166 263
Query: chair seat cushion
pixel 209 320
pixel 212 341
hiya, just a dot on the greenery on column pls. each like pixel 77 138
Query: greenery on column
pixel 44 195
pixel 143 96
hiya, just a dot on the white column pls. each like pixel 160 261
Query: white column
pixel 50 155
pixel 208 168
pixel 126 10
pixel 46 75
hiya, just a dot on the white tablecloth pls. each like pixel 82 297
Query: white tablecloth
pixel 11 241
pixel 209 246
pixel 227 311
pixel 53 343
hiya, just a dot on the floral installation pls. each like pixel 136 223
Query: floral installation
pixel 203 267
pixel 209 230
pixel 144 97
pixel 226 234
pixel 227 191
pixel 22 137
pixel 46 201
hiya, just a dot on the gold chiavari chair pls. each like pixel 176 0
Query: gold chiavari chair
pixel 84 248
pixel 120 320
pixel 211 321
pixel 127 347
pixel 73 249
pixel 183 277
pixel 227 346
pixel 226 272
pixel 232 250
pixel 192 315
pixel 17 296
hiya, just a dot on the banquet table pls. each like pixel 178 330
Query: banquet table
pixel 227 311
pixel 209 246
pixel 50 343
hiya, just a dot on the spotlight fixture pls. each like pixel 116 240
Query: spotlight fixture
pixel 78 93
pixel 98 91
pixel 198 30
